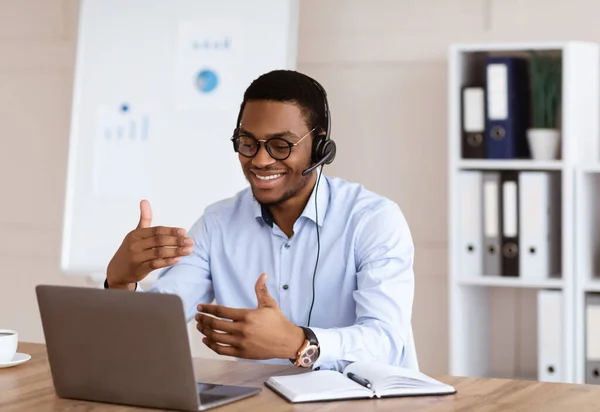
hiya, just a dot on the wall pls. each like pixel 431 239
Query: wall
pixel 37 46
pixel 383 63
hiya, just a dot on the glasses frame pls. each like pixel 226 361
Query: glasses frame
pixel 236 141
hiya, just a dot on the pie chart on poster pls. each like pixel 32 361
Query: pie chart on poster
pixel 206 80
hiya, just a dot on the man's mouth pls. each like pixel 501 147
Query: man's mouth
pixel 266 180
pixel 269 177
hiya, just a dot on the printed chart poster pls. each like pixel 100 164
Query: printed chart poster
pixel 123 150
pixel 208 59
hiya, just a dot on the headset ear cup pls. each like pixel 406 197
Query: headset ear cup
pixel 323 147
pixel 329 149
pixel 317 151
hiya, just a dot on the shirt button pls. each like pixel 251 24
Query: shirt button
pixel 317 368
pixel 287 245
pixel 285 287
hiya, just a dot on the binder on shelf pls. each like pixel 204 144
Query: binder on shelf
pixel 492 264
pixel 507 108
pixel 550 336
pixel 539 224
pixel 510 223
pixel 592 339
pixel 473 122
pixel 471 258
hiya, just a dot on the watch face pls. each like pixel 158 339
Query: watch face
pixel 309 356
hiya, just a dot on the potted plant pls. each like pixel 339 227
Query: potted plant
pixel 544 136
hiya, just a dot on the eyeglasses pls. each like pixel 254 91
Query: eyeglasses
pixel 277 147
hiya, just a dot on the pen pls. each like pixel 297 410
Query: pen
pixel 359 380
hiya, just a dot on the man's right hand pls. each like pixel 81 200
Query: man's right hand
pixel 145 249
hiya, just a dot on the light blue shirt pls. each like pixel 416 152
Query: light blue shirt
pixel 364 283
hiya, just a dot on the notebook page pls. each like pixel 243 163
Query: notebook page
pixel 382 375
pixel 318 385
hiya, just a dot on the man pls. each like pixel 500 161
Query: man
pixel 304 268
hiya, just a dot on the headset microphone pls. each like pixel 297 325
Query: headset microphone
pixel 324 160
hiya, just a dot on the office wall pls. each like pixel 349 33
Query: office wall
pixel 383 63
pixel 37 57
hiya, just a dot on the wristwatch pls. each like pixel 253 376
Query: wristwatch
pixel 107 287
pixel 309 351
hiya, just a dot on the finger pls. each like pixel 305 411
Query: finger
pixel 161 240
pixel 145 214
pixel 154 264
pixel 218 337
pixel 223 312
pixel 161 253
pixel 217 324
pixel 262 293
pixel 220 349
pixel 146 232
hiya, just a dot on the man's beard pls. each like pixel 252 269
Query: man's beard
pixel 288 192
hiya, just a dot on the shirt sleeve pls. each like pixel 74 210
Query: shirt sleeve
pixel 384 253
pixel 190 279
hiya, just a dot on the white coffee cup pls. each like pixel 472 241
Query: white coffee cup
pixel 9 339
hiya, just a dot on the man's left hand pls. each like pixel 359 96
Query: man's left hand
pixel 261 333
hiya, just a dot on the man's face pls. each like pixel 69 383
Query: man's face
pixel 275 181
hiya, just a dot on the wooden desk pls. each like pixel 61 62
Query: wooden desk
pixel 28 387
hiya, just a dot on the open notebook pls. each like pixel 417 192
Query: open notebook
pixel 384 380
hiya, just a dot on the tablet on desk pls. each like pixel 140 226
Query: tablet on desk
pixel 126 348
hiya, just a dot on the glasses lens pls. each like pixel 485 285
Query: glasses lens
pixel 247 145
pixel 279 148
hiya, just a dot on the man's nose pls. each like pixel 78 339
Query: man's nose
pixel 262 158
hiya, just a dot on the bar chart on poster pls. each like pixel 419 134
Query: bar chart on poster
pixel 157 90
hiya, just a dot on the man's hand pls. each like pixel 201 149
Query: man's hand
pixel 144 249
pixel 261 333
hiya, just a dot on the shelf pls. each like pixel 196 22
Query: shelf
pixel 511 46
pixel 590 168
pixel 512 282
pixel 508 164
pixel 592 286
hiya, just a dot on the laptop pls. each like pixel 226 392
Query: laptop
pixel 122 347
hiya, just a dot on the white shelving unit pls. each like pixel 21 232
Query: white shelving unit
pixel 508 282
pixel 587 255
pixel 493 164
pixel 493 319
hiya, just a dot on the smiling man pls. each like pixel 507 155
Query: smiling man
pixel 304 268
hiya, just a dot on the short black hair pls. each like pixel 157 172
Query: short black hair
pixel 290 86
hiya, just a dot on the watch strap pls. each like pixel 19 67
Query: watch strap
pixel 310 335
pixel 106 284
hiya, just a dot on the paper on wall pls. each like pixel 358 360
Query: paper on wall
pixel 123 148
pixel 208 63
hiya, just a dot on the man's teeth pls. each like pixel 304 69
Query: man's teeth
pixel 270 177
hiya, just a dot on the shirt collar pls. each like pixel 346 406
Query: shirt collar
pixel 262 213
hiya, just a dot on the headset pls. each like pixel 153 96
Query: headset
pixel 323 147
pixel 323 152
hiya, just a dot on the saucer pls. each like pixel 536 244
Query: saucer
pixel 16 360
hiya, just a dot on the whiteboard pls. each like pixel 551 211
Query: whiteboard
pixel 158 86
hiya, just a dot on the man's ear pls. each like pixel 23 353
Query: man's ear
pixel 321 132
